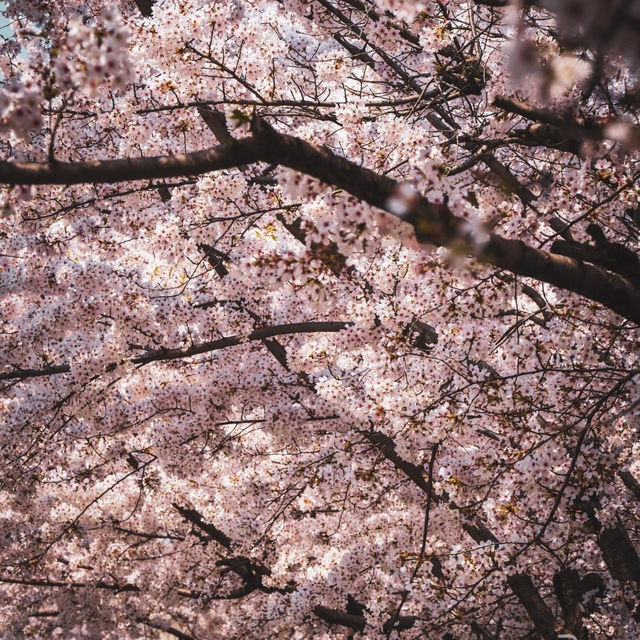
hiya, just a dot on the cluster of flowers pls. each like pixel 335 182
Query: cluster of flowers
pixel 535 61
pixel 20 108
pixel 608 26
pixel 95 51
pixel 305 453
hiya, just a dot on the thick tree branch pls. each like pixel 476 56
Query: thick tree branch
pixel 575 128
pixel 549 136
pixel 358 622
pixel 613 291
pixel 433 224
pixel 568 588
pixel 145 6
pixel 629 269
pixel 227 156
pixel 630 482
pixel 335 616
pixel 387 448
pixel 522 585
pixel 620 555
pixel 493 3
pixel 217 122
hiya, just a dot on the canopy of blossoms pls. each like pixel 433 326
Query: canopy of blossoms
pixel 319 319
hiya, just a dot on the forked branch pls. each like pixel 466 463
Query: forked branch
pixel 433 224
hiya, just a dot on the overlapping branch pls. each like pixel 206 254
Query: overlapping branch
pixel 574 128
pixel 158 355
pixel 433 224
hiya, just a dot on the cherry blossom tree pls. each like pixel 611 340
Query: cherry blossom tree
pixel 319 319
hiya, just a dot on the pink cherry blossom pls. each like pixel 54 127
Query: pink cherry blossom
pixel 319 319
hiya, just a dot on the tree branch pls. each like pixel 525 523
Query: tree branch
pixel 166 628
pixel 433 224
pixel 619 554
pixel 197 349
pixel 630 482
pixel 100 584
pixel 335 616
pixel 195 518
pixel 575 128
pixel 145 6
pixel 226 156
pixel 530 598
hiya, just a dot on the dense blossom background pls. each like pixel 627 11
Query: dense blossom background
pixel 458 441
